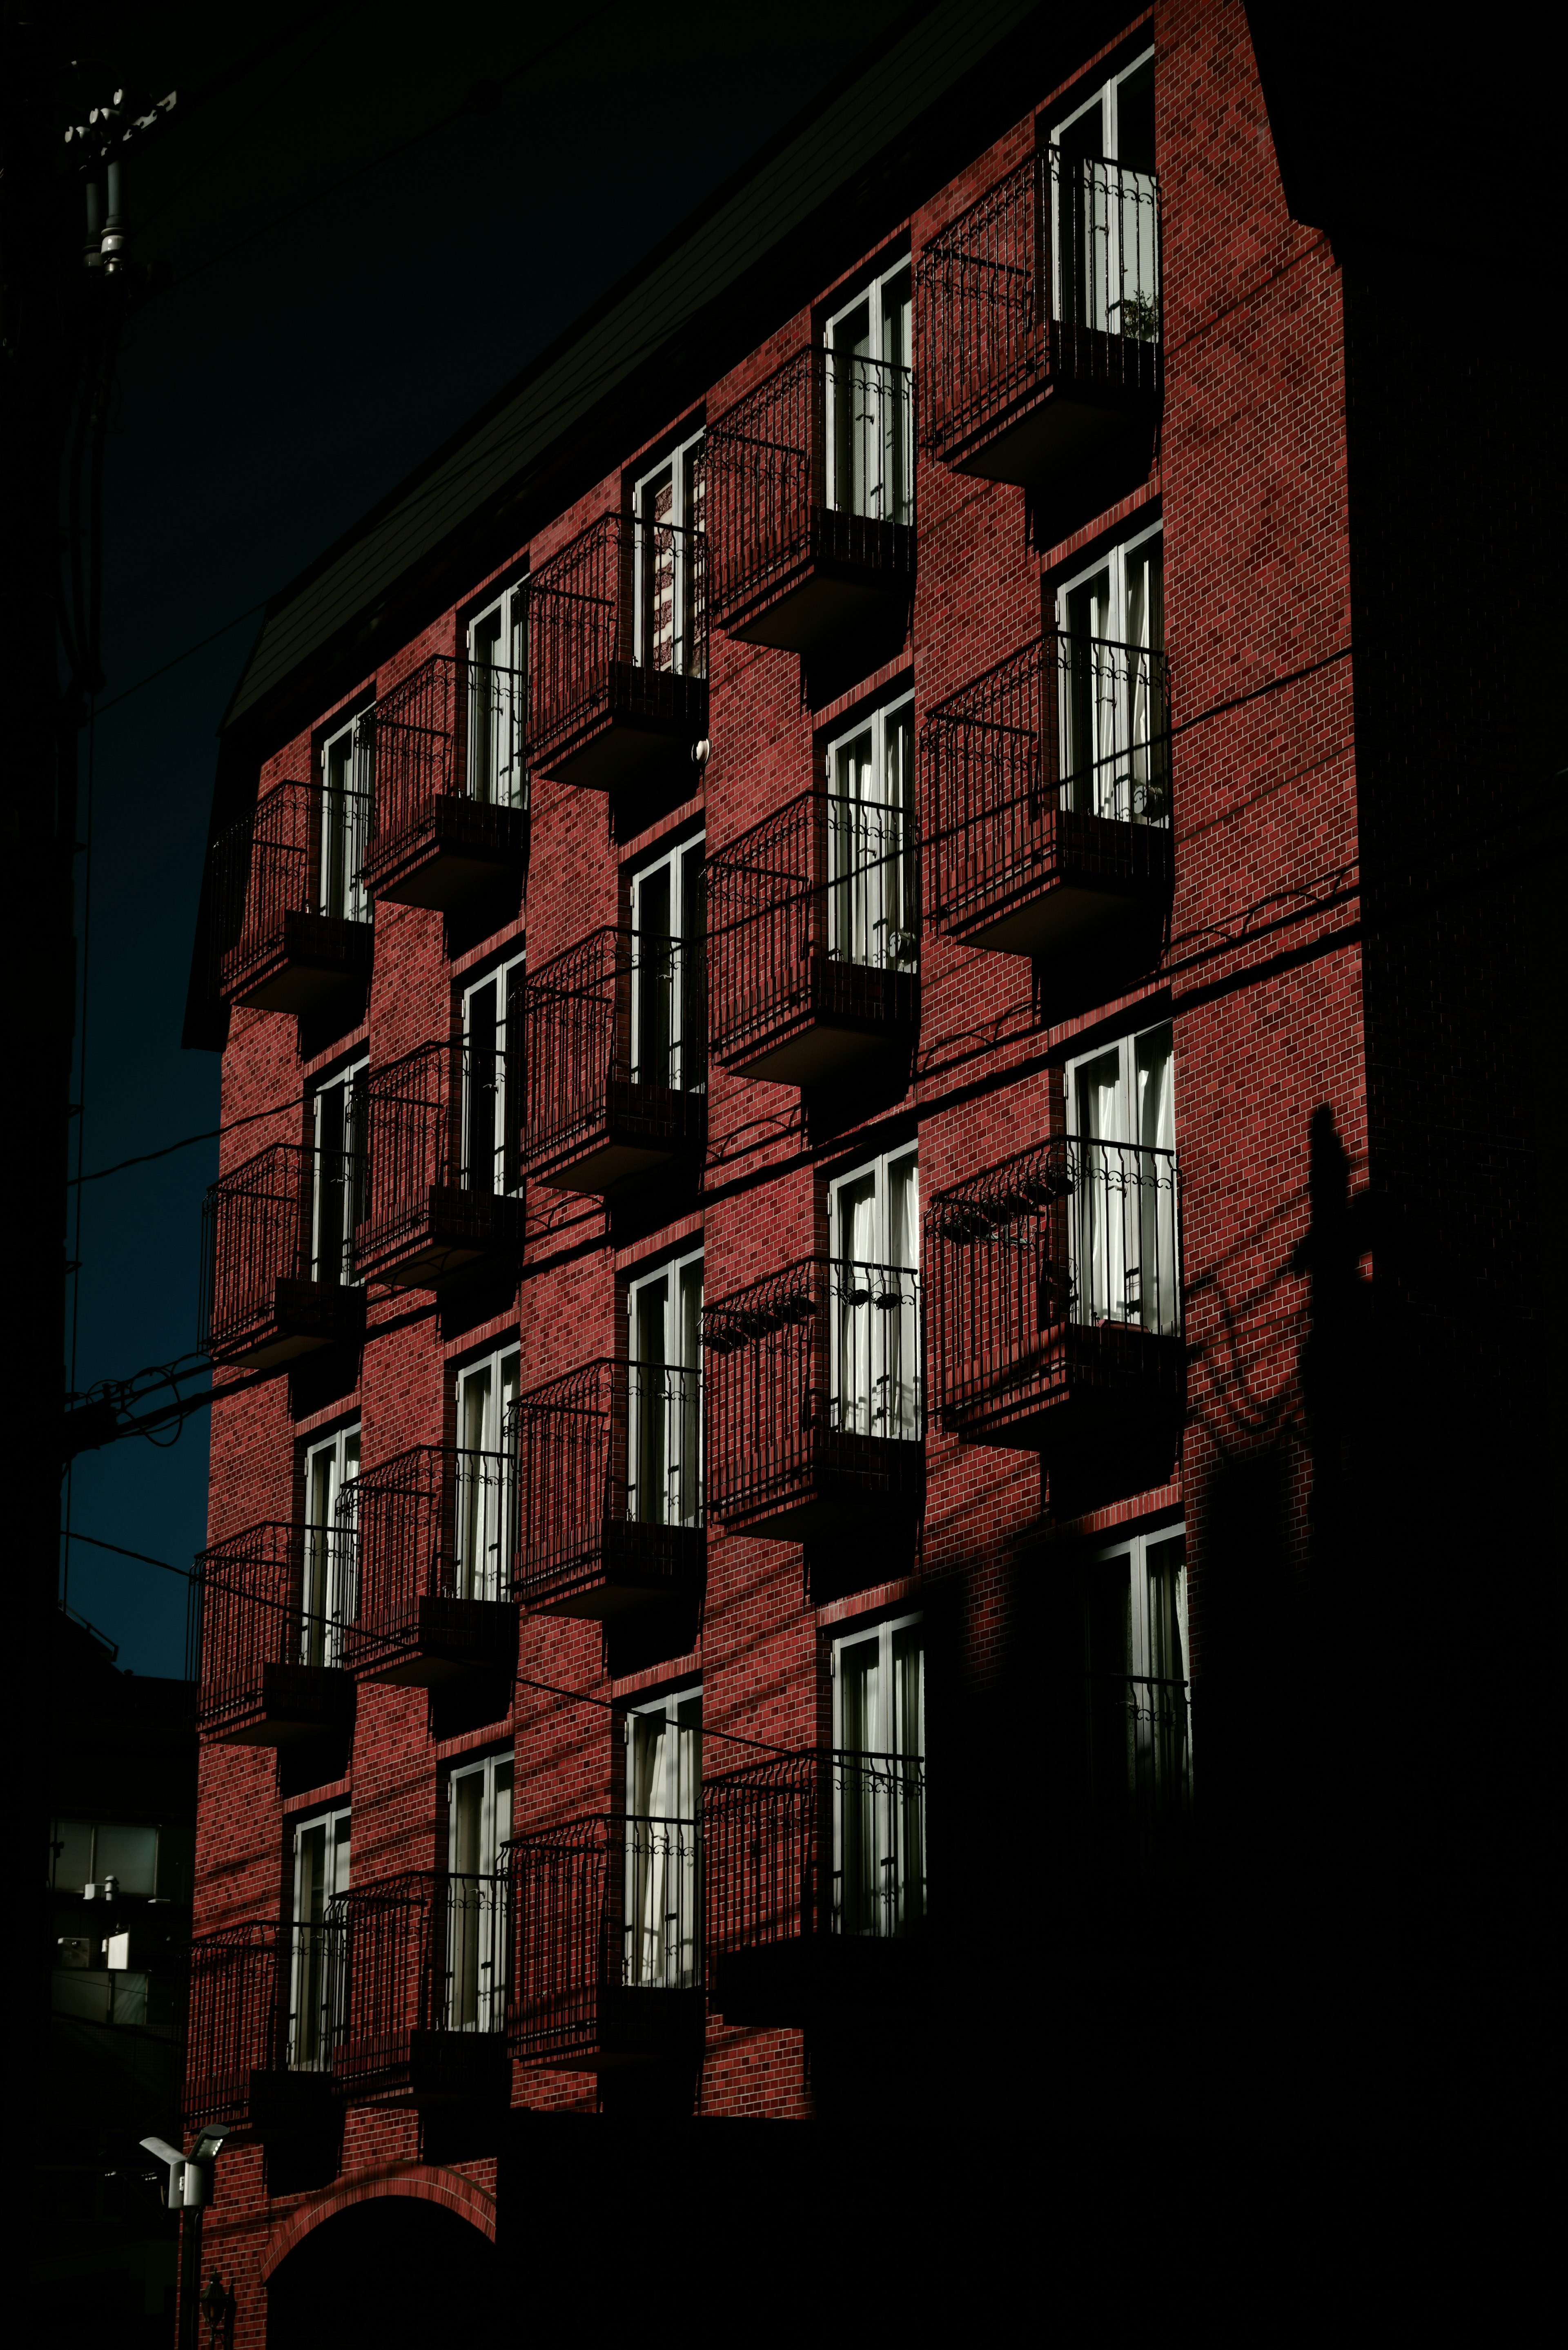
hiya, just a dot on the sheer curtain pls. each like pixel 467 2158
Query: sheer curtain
pixel 650 1404
pixel 1101 1269
pixel 325 1596
pixel 899 1323
pixel 861 1801
pixel 854 1368
pixel 687 1495
pixel 1158 1252
pixel 1093 698
pixel 854 869
pixel 908 1796
pixel 1145 638
pixel 664 1773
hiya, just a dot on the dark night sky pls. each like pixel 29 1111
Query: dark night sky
pixel 263 403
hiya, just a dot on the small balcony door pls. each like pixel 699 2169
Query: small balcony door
pixel 668 506
pixel 870 403
pixel 344 821
pixel 327 1596
pixel 668 995
pixel 497 705
pixel 871 902
pixel 663 1931
pixel 317 1974
pixel 484 1500
pixel 492 1080
pixel 338 1173
pixel 479 1815
pixel 880 1787
pixel 1126 1241
pixel 1105 220
pixel 874 1216
pixel 664 1394
pixel 1137 1719
pixel 1114 760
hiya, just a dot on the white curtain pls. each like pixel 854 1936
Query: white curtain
pixel 664 1772
pixel 897 1327
pixel 1145 638
pixel 854 1365
pixel 1157 1235
pixel 861 1801
pixel 1101 1267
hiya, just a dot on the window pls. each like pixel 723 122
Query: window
pixel 485 1394
pixel 1105 218
pixel 492 1080
pixel 669 1006
pixel 478 1817
pixel 663 1807
pixel 665 1395
pixel 874 1217
pixel 871 899
pixel 345 820
pixel 668 506
pixel 1136 1717
pixel 338 1165
pixel 497 711
pixel 1122 1111
pixel 870 451
pixel 330 1469
pixel 1114 762
pixel 880 1814
pixel 317 1981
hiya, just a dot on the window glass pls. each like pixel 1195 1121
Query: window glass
pixel 870 401
pixel 663 1807
pixel 73 1857
pixel 130 1853
pixel 879 1860
pixel 871 896
pixel 669 1007
pixel 665 1395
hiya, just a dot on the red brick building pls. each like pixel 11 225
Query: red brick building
pixel 876 941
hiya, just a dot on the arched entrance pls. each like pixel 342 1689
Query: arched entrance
pixel 391 2268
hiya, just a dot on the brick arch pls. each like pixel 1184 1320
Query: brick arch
pixel 423 2181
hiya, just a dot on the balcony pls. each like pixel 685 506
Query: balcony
pixel 272 1638
pixel 288 909
pixel 1040 320
pixel 448 821
pixel 811 501
pixel 430 1534
pixel 816 1887
pixel 277 1278
pixel 259 2049
pixel 616 1061
pixel 610 1490
pixel 814 936
pixel 1055 1299
pixel 1047 791
pixel 420 2018
pixel 609 1964
pixel 617 655
pixel 1123 1777
pixel 816 1399
pixel 439 1200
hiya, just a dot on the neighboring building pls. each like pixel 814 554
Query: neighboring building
pixel 863 914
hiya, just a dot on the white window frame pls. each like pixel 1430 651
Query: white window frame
pixel 890 1803
pixel 328 1559
pixel 346 748
pixel 315 1970
pixel 342 1081
pixel 874 1382
pixel 870 881
pixel 887 492
pixel 663 1863
pixel 477 1907
pixel 482 1505
pixel 1115 779
pixel 474 1144
pixel 1106 102
pixel 682 464
pixel 675 862
pixel 497 773
pixel 1125 1209
pixel 1160 1729
pixel 677 1496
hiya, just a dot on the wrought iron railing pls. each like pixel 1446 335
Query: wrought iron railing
pixel 1130 1804
pixel 824 444
pixel 612 617
pixel 1054 271
pixel 622 1010
pixel 264 1998
pixel 1071 726
pixel 824 880
pixel 451 731
pixel 298 851
pixel 603 1903
pixel 424 1951
pixel 279 1217
pixel 829 1349
pixel 830 1842
pixel 609 1445
pixel 273 1595
pixel 431 1121
pixel 1071 1235
pixel 433 1523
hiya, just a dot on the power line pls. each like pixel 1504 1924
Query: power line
pixel 190 650
pixel 144 1558
pixel 145 1158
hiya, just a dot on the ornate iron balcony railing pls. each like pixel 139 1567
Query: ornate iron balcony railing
pixel 608 1915
pixel 430 1533
pixel 1126 1790
pixel 609 1486
pixel 451 780
pixel 272 1610
pixel 425 1958
pixel 616 1058
pixel 829 1842
pixel 266 2002
pixel 276 1261
pixel 289 917
pixel 438 1188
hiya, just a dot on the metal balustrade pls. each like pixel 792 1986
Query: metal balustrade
pixel 438 1195
pixel 274 1262
pixel 289 917
pixel 608 1955
pixel 271 1603
pixel 811 492
pixel 1127 1795
pixel 610 1487
pixel 429 1533
pixel 425 1958
pixel 451 786
pixel 1038 306
pixel 814 928
pixel 616 1056
pixel 265 2015
pixel 816 1383
pixel 617 657
pixel 1055 1276
pixel 1047 793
